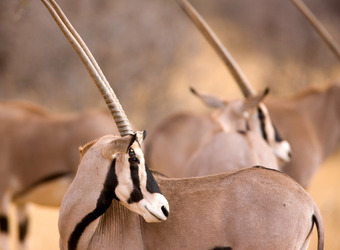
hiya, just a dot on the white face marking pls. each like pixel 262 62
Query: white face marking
pixel 151 207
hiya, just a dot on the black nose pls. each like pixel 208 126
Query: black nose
pixel 165 211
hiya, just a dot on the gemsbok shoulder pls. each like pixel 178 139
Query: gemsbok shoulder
pixel 255 208
pixel 175 139
pixel 39 157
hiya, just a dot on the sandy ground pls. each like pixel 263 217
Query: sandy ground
pixel 324 190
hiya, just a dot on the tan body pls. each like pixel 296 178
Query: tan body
pixel 36 144
pixel 254 208
pixel 183 143
pixel 39 155
pixel 310 122
pixel 173 142
pixel 227 152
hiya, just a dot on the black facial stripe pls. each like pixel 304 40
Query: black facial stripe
pixel 23 226
pixel 103 203
pixel 222 248
pixel 278 138
pixel 3 224
pixel 136 194
pixel 151 184
pixel 262 124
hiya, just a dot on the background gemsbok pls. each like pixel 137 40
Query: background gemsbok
pixel 175 140
pixel 39 156
pixel 113 169
pixel 309 120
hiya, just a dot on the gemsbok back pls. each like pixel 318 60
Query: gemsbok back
pixel 39 157
pixel 175 140
pixel 256 208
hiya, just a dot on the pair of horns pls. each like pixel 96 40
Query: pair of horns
pixel 92 67
pixel 235 70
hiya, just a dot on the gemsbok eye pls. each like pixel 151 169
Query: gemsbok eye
pixel 133 160
pixel 132 156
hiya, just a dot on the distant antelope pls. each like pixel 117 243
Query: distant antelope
pixel 39 156
pixel 253 208
pixel 310 120
pixel 177 137
pixel 177 142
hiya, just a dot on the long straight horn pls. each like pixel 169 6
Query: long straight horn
pixel 234 69
pixel 92 67
pixel 318 26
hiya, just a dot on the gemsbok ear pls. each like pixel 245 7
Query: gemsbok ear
pixel 210 101
pixel 117 145
pixel 140 135
pixel 83 149
pixel 253 101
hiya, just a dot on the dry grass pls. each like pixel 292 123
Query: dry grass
pixel 324 190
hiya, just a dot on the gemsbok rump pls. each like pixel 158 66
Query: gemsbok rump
pixel 175 140
pixel 39 157
pixel 256 208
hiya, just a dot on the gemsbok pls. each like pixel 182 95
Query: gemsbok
pixel 39 157
pixel 256 208
pixel 309 120
pixel 175 139
pixel 185 139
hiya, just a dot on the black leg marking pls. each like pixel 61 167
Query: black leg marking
pixel 3 224
pixel 103 203
pixel 23 229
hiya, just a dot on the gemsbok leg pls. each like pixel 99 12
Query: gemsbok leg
pixel 4 221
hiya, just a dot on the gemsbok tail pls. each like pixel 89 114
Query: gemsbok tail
pixel 317 220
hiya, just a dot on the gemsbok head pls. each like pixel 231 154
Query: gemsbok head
pixel 113 186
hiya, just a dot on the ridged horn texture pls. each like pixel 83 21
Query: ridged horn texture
pixel 92 67
pixel 209 34
pixel 318 27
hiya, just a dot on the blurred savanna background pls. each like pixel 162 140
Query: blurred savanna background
pixel 151 54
